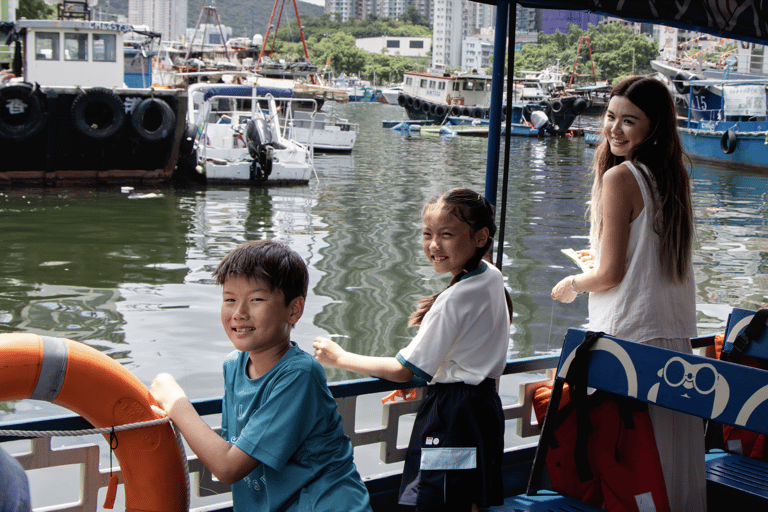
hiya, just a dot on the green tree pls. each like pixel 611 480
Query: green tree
pixel 34 10
pixel 413 16
pixel 615 50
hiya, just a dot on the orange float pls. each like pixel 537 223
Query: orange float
pixel 85 381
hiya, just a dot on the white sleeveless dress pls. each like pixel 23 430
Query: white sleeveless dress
pixel 647 308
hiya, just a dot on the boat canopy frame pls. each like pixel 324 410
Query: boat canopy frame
pixel 741 19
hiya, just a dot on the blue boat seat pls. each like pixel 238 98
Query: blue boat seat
pixel 738 396
pixel 733 478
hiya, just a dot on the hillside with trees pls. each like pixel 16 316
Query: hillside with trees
pixel 616 52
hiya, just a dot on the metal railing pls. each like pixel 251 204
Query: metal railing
pixel 42 455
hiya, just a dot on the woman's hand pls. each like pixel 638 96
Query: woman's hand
pixel 563 291
pixel 327 352
pixel 167 392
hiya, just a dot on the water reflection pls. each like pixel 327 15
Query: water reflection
pixel 131 275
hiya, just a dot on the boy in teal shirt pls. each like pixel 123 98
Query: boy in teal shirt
pixel 282 447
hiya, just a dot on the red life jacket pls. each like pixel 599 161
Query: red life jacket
pixel 736 439
pixel 603 451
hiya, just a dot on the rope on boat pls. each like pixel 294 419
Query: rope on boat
pixel 87 432
pixel 694 131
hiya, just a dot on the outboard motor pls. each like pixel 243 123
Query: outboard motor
pixel 258 139
pixel 540 122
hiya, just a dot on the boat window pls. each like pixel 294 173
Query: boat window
pixel 468 85
pixel 409 81
pixel 441 86
pixel 75 46
pixel 431 84
pixel 47 46
pixel 423 83
pixel 456 86
pixel 104 48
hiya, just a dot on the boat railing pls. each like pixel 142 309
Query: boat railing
pixel 238 108
pixel 358 402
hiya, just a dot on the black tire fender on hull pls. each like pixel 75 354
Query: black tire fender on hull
pixel 98 113
pixel 21 111
pixel 153 120
pixel 728 142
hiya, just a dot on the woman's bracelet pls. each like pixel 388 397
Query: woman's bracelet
pixel 573 286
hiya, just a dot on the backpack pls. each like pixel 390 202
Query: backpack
pixel 603 450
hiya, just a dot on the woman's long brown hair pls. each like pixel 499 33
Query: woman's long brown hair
pixel 662 152
pixel 473 209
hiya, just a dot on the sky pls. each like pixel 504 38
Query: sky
pixel 316 2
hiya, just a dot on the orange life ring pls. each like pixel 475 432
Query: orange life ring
pixel 102 391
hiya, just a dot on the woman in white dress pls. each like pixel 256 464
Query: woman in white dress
pixel 641 286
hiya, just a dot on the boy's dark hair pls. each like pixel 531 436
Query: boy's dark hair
pixel 271 261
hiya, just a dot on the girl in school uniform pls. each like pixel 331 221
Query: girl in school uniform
pixel 453 462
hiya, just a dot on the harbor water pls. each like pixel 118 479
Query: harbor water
pixel 129 272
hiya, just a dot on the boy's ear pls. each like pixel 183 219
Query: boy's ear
pixel 296 308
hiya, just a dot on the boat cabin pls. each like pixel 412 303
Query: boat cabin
pixel 472 89
pixel 76 53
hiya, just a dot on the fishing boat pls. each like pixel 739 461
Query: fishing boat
pixel 725 117
pixel 525 373
pixel 299 119
pixel 435 97
pixel 68 118
pixel 240 142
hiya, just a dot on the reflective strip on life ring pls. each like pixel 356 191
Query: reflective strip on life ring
pixel 102 391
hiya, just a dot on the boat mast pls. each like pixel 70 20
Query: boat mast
pixel 576 60
pixel 208 11
pixel 274 37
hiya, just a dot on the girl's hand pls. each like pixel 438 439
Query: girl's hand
pixel 166 391
pixel 563 291
pixel 327 352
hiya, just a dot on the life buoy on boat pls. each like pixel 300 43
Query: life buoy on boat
pixel 102 391
pixel 98 113
pixel 728 142
pixel 21 111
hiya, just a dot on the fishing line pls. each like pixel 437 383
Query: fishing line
pixel 551 320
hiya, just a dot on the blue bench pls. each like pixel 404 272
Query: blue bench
pixel 732 477
pixel 739 396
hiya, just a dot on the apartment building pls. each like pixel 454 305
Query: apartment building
pixel 167 17
pixel 447 33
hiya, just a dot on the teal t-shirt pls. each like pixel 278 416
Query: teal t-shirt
pixel 287 420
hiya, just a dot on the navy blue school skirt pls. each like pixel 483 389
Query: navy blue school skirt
pixel 457 443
